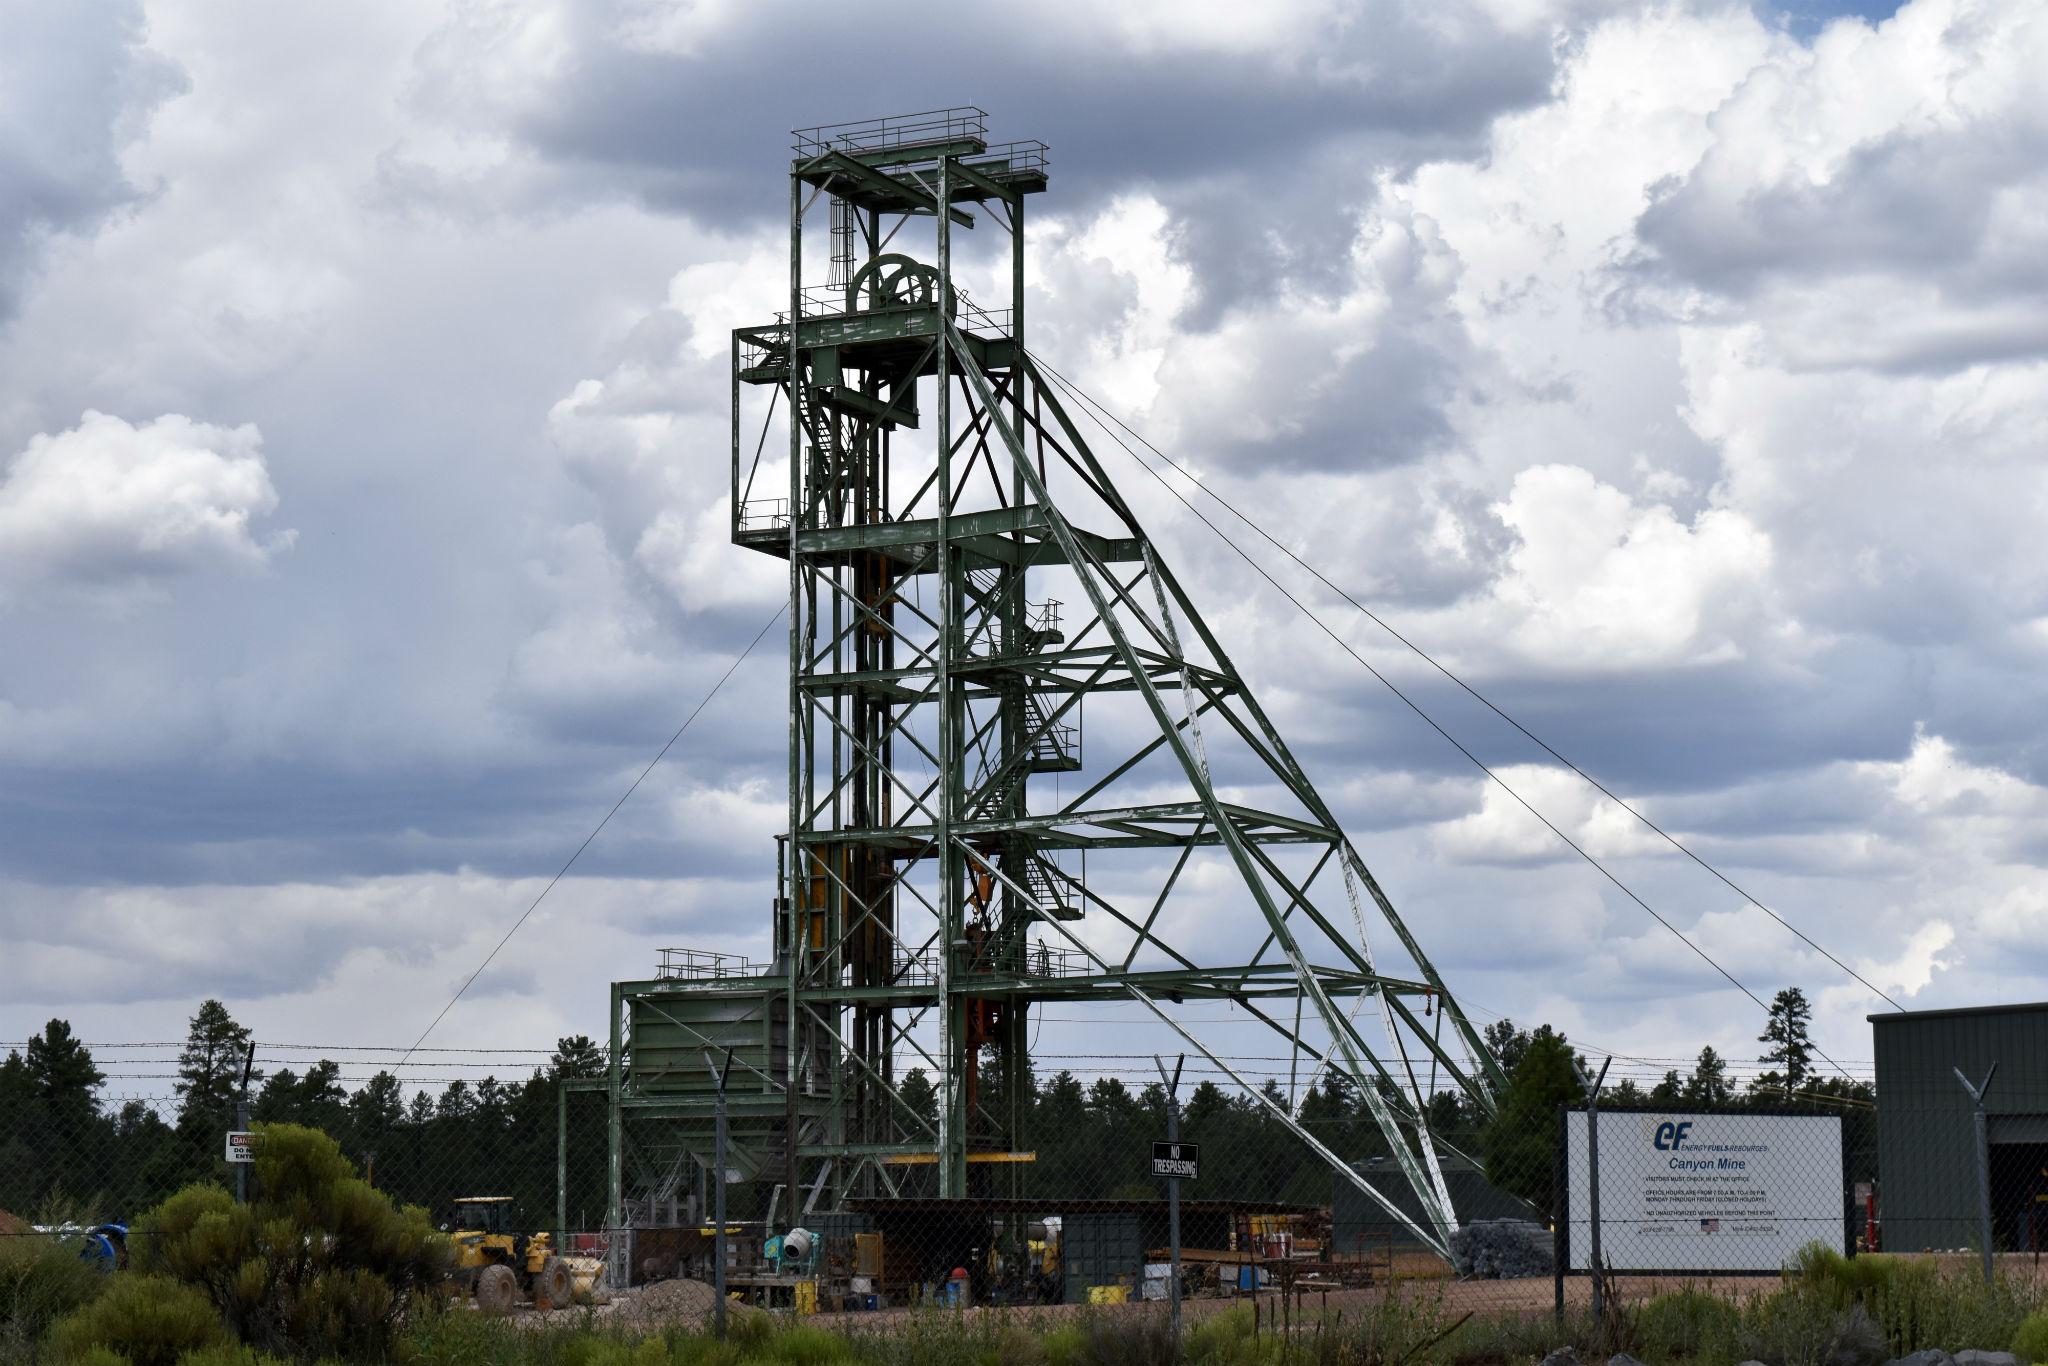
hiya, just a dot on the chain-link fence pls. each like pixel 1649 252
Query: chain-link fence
pixel 1495 1215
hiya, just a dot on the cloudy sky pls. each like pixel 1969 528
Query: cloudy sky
pixel 1677 372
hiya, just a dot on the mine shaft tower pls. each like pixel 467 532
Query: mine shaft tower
pixel 967 584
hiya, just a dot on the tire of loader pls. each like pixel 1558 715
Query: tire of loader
pixel 497 1290
pixel 554 1286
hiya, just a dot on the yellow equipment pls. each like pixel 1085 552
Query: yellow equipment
pixel 499 1266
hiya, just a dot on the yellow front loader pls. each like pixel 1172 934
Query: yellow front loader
pixel 500 1266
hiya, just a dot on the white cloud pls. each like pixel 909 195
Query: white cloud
pixel 600 654
pixel 1503 831
pixel 1598 580
pixel 1890 178
pixel 77 85
pixel 107 507
pixel 1692 407
pixel 307 958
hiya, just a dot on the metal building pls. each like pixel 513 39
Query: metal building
pixel 1359 1226
pixel 952 861
pixel 1927 1144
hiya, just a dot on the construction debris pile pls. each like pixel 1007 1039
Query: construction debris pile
pixel 1502 1249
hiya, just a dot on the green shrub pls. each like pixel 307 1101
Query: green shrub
pixel 458 1338
pixel 2030 1340
pixel 801 1344
pixel 145 1320
pixel 229 1356
pixel 1225 1339
pixel 1911 1300
pixel 317 1264
pixel 1064 1344
pixel 1789 1329
pixel 1686 1324
pixel 41 1280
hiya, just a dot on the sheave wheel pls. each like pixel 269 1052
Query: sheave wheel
pixel 553 1285
pixel 497 1289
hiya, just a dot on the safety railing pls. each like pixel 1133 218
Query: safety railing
pixel 894 131
pixel 763 514
pixel 706 965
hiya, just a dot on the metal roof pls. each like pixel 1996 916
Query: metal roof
pixel 2026 1007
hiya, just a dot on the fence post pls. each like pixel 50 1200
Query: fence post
pixel 1560 1213
pixel 242 1122
pixel 718 1074
pixel 1595 1264
pixel 561 1163
pixel 1173 1193
pixel 1983 1160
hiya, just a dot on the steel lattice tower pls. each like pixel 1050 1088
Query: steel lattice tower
pixel 951 863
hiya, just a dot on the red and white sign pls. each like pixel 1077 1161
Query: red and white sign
pixel 241 1146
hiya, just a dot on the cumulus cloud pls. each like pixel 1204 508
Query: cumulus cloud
pixel 77 84
pixel 1503 831
pixel 1673 376
pixel 108 507
pixel 659 102
pixel 1890 175
pixel 1596 578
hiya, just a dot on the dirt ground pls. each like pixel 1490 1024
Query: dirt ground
pixel 1531 1296
pixel 688 1303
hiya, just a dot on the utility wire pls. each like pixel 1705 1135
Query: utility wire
pixel 1433 663
pixel 659 755
pixel 1432 722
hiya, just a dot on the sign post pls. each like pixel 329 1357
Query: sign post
pixel 718 1179
pixel 241 1130
pixel 1594 1263
pixel 1175 1168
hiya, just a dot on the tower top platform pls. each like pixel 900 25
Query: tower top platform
pixel 874 163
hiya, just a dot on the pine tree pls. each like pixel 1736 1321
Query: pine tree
pixel 456 1102
pixel 1786 1032
pixel 60 1069
pixel 1507 1044
pixel 274 1101
pixel 1708 1084
pixel 577 1056
pixel 919 1095
pixel 1206 1100
pixel 1521 1143
pixel 378 1108
pixel 16 1089
pixel 493 1103
pixel 210 1068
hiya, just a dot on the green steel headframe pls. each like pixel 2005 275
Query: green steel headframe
pixel 966 585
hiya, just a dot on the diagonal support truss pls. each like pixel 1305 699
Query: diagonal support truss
pixel 998 689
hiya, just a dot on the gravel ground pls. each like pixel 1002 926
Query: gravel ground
pixel 663 1304
pixel 688 1303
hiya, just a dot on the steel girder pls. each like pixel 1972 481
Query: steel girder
pixel 932 695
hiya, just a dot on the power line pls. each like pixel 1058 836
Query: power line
pixel 335 1048
pixel 1412 705
pixel 659 754
pixel 1431 660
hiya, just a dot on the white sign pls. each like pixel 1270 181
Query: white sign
pixel 1705 1192
pixel 241 1146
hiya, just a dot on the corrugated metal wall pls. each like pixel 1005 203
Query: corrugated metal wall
pixel 1100 1249
pixel 1927 1164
